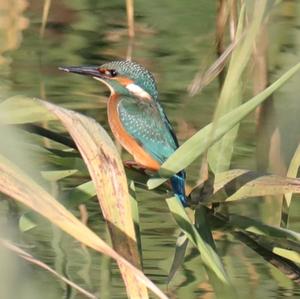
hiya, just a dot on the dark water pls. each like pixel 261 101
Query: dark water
pixel 173 39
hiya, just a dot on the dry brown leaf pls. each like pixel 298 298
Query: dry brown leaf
pixel 16 184
pixel 107 172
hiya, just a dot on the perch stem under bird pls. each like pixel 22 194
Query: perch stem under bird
pixel 136 117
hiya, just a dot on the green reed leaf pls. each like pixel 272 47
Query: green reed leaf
pixel 201 141
pixel 27 221
pixel 292 172
pixel 180 249
pixel 240 184
pixel 259 228
pixel 21 109
pixel 231 93
pixel 288 254
pixel 81 194
pixel 209 257
pixel 56 175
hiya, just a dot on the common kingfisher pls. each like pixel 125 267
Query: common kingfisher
pixel 136 117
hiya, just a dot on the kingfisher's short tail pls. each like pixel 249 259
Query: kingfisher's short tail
pixel 178 186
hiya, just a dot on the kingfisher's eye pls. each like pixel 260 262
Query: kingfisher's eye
pixel 108 72
pixel 113 73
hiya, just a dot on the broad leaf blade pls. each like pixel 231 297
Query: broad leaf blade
pixel 208 254
pixel 27 221
pixel 240 184
pixel 201 141
pixel 254 226
pixel 136 219
pixel 219 155
pixel 81 194
pixel 16 184
pixel 288 254
pixel 180 249
pixel 108 175
pixel 20 109
pixel 292 172
pixel 56 175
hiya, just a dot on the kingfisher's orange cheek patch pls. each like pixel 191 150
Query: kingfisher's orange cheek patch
pixel 123 80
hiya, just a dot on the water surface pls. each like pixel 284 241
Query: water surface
pixel 173 39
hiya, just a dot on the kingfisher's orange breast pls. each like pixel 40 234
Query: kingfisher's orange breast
pixel 126 140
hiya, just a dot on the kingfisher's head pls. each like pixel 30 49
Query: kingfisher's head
pixel 122 77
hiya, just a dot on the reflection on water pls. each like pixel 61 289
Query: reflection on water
pixel 172 40
pixel 12 23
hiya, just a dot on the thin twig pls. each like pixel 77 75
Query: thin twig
pixel 46 10
pixel 130 17
pixel 201 80
pixel 23 254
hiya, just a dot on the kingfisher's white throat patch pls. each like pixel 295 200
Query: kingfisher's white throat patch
pixel 138 91
pixel 105 83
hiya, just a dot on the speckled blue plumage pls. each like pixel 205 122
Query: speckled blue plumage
pixel 143 121
pixel 146 121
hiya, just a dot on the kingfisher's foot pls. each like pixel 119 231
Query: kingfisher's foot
pixel 134 165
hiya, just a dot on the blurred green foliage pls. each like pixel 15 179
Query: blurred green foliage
pixel 173 39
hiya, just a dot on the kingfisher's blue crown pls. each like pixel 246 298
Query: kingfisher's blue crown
pixel 136 72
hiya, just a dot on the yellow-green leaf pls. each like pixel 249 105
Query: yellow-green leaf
pixel 106 170
pixel 288 254
pixel 208 254
pixel 201 141
pixel 18 185
pixel 20 109
pixel 239 184
pixel 292 172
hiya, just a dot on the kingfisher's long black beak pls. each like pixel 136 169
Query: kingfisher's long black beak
pixel 82 70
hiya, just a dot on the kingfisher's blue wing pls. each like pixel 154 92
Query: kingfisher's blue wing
pixel 144 121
